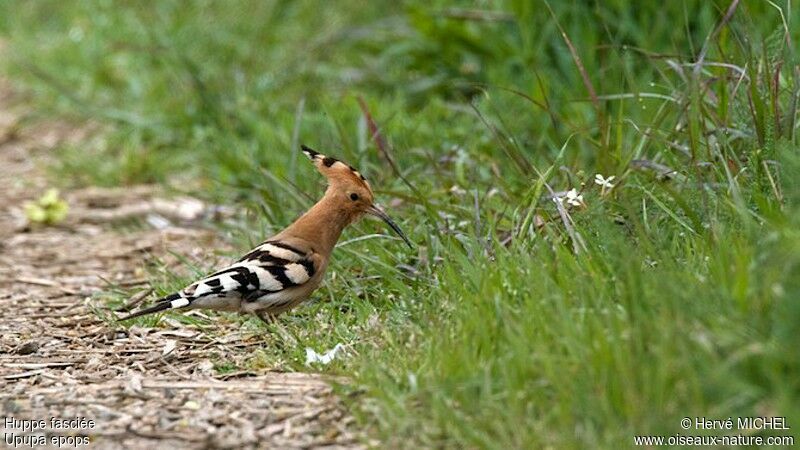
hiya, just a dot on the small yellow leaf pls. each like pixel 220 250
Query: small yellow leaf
pixel 49 198
pixel 34 213
pixel 48 209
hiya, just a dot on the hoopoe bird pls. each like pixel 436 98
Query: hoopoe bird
pixel 284 270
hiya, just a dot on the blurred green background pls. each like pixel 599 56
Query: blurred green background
pixel 672 294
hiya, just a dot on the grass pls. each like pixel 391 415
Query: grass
pixel 512 324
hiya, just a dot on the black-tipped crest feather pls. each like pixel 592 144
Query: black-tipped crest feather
pixel 310 152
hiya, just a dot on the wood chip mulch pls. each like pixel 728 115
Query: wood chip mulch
pixel 140 387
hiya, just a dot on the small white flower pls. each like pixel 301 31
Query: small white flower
pixel 573 198
pixel 457 190
pixel 604 182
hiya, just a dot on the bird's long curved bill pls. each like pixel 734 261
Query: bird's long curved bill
pixel 376 211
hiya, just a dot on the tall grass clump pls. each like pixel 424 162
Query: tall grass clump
pixel 617 310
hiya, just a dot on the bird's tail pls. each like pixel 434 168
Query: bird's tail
pixel 172 301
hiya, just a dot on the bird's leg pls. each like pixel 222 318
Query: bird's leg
pixel 266 317
pixel 272 322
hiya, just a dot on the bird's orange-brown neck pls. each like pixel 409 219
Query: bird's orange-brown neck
pixel 323 223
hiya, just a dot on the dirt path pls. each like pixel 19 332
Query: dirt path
pixel 142 388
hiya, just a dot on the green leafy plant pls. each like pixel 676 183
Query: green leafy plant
pixel 49 209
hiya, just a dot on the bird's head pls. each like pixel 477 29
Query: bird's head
pixel 349 190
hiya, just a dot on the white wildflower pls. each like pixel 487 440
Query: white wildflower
pixel 573 198
pixel 457 190
pixel 605 183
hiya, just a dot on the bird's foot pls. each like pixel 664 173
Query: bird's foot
pixel 269 319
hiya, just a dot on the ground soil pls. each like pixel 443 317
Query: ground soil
pixel 141 387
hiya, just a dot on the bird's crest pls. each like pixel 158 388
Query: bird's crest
pixel 335 171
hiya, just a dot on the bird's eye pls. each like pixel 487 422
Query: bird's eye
pixel 353 196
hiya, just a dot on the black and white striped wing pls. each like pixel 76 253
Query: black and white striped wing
pixel 263 274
